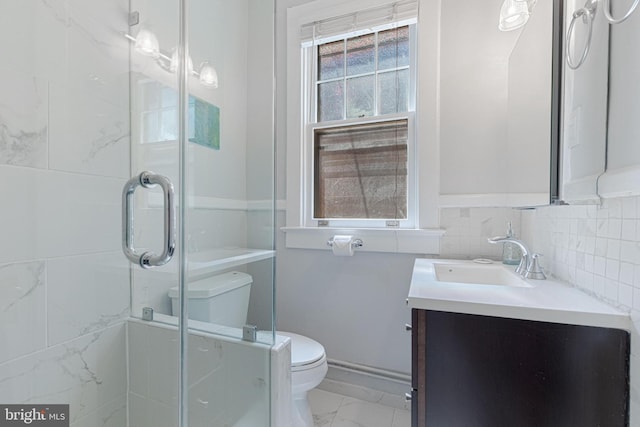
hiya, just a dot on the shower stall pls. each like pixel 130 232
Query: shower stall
pixel 143 127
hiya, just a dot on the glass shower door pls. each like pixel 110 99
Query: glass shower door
pixel 216 369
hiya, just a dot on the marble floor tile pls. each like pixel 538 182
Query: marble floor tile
pixel 324 406
pixel 334 410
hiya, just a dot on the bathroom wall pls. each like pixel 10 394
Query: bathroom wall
pixel 64 157
pixel 356 306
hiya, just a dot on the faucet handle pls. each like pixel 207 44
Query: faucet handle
pixel 522 268
pixel 534 271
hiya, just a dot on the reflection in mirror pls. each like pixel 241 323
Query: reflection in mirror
pixel 584 132
pixel 499 104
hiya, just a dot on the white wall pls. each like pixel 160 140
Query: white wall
pixel 64 157
pixel 355 306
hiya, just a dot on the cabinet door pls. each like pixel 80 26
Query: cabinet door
pixel 479 371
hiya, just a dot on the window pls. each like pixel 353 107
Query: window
pixel 361 171
pixel 359 139
pixel 360 153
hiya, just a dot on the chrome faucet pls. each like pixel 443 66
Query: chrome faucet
pixel 529 266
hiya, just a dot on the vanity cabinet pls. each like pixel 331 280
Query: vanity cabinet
pixel 482 371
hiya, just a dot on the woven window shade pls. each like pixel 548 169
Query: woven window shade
pixel 400 13
pixel 361 171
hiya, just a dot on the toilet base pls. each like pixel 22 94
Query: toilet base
pixel 302 416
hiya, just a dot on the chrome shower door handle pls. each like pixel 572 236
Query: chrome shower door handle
pixel 149 259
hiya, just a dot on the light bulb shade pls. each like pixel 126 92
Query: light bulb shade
pixel 513 15
pixel 173 66
pixel 208 76
pixel 147 43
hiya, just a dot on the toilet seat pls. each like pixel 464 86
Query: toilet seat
pixel 305 352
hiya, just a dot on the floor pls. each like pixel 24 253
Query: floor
pixel 335 410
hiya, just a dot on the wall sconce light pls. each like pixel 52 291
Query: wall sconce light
pixel 146 43
pixel 514 14
pixel 208 76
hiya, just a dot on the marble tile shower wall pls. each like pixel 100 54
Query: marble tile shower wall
pixel 64 157
pixel 597 249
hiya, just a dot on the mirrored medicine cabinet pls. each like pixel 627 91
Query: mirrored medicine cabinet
pixel 500 105
pixel 519 127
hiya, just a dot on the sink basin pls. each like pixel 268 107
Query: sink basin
pixel 467 287
pixel 477 274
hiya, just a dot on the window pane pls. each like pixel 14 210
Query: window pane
pixel 331 60
pixel 393 91
pixel 330 101
pixel 361 55
pixel 393 48
pixel 360 96
pixel 361 171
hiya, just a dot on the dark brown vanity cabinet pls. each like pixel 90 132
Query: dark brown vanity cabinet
pixel 481 371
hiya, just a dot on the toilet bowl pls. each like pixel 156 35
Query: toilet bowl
pixel 308 369
pixel 224 300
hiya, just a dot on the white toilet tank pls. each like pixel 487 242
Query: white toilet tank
pixel 221 299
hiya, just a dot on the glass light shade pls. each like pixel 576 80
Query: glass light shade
pixel 173 66
pixel 147 43
pixel 208 76
pixel 513 15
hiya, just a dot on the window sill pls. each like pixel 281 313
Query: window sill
pixel 407 241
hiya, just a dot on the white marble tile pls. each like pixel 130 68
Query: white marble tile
pixel 234 386
pixel 161 353
pixel 97 51
pixel 22 309
pixel 144 412
pixel 37 30
pixel 23 119
pixel 281 397
pixel 626 273
pixel 625 295
pixel 324 406
pixel 86 373
pixel 113 414
pixel 85 294
pixel 351 390
pixel 56 214
pixel 401 418
pixel 355 412
pixel 87 134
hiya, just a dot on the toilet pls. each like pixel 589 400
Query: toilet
pixel 224 300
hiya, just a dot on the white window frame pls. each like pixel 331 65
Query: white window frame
pixel 310 103
pixel 421 237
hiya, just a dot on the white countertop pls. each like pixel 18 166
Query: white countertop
pixel 545 300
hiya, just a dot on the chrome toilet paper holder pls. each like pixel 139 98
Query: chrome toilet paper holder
pixel 355 243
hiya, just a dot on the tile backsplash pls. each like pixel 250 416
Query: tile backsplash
pixel 468 230
pixel 593 247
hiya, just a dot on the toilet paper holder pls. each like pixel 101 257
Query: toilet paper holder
pixel 355 243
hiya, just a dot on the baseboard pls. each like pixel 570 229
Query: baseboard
pixel 368 384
